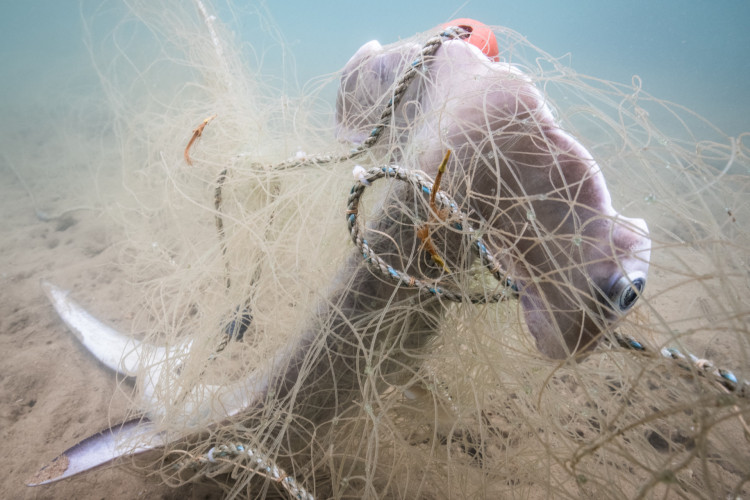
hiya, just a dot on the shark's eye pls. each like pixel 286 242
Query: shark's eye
pixel 626 290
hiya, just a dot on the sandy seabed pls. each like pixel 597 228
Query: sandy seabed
pixel 53 394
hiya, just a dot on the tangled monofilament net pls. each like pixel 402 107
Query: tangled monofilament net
pixel 471 408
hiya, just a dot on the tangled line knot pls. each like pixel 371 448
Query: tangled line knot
pixel 422 184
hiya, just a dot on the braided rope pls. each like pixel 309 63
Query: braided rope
pixel 423 185
pixel 230 454
pixel 399 89
pixel 690 362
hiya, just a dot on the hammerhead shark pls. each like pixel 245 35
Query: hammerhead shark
pixel 578 266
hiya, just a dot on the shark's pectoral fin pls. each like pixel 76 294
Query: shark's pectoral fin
pixel 124 440
pixel 116 351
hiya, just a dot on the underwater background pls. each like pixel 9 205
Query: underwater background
pixel 693 53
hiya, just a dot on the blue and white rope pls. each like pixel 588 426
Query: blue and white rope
pixel 692 363
pixel 259 463
pixel 433 287
pixel 423 185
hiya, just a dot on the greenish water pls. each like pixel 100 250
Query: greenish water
pixel 694 53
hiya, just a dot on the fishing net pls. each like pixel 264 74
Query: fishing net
pixel 375 362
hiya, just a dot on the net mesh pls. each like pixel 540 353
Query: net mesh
pixel 361 388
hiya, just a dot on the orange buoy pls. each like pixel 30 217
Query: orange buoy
pixel 480 36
